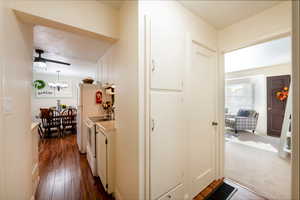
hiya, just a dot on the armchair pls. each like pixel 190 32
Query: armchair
pixel 244 120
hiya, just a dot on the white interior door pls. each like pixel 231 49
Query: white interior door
pixel 166 147
pixel 201 105
pixel 102 158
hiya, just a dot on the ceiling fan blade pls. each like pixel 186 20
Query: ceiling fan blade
pixel 56 61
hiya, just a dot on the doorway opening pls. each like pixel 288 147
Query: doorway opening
pixel 67 78
pixel 258 101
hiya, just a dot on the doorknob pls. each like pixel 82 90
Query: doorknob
pixel 214 123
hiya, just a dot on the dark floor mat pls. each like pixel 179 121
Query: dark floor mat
pixel 224 192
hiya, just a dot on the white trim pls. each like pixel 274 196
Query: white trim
pixel 203 45
pixel 296 99
pixel 147 64
pixel 221 107
pixel 260 40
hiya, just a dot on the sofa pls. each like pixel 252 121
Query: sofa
pixel 245 119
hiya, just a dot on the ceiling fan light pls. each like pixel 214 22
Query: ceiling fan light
pixel 39 65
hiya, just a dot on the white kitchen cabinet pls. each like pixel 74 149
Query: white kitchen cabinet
pixel 176 194
pixel 102 157
pixel 105 145
pixel 168 56
pixel 166 151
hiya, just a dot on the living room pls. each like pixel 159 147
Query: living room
pixel 257 117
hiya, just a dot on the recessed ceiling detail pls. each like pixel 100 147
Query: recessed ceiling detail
pixel 69 45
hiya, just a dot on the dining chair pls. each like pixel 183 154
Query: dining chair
pixel 68 120
pixel 51 120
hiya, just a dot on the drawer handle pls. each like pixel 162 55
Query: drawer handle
pixel 169 196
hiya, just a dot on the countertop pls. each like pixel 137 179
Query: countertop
pixel 106 125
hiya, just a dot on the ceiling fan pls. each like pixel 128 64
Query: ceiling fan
pixel 40 62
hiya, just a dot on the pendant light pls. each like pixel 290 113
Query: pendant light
pixel 58 85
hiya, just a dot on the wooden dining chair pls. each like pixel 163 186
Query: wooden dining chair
pixel 68 120
pixel 51 121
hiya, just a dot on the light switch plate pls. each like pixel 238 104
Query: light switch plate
pixel 7 105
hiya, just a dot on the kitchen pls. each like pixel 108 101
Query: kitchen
pixel 72 101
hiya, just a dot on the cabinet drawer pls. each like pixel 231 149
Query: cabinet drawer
pixel 176 194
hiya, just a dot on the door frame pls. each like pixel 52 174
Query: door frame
pixel 296 98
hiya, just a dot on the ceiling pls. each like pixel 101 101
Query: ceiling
pixel 113 3
pixel 69 45
pixel 218 13
pixel 224 13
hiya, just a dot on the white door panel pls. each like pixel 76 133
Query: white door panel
pixel 168 56
pixel 101 157
pixel 175 194
pixel 166 168
pixel 201 111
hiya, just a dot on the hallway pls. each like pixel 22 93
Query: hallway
pixel 65 174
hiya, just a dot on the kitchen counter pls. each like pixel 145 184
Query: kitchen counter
pixel 106 126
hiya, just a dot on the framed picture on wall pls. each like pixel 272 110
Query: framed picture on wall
pixel 48 92
pixel 45 93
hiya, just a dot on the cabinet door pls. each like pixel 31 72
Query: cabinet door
pixel 166 142
pixel 175 194
pixel 102 158
pixel 167 54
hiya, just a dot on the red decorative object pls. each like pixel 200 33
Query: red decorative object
pixel 98 97
pixel 283 94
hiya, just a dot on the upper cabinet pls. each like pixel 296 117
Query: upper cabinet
pixel 168 53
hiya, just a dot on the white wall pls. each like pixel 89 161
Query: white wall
pixel 2 170
pixel 271 22
pixel 123 71
pixel 16 49
pixel 258 77
pixel 91 16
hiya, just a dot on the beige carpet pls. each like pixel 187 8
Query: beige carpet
pixel 258 141
pixel 253 162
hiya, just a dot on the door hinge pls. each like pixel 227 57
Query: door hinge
pixel 153 66
pixel 152 124
pixel 105 141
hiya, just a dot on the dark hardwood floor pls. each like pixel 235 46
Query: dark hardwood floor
pixel 65 174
